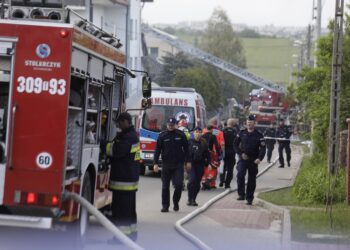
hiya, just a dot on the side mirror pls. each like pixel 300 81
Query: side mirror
pixel 146 103
pixel 2 152
pixel 146 87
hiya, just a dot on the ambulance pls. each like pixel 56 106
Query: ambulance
pixel 180 103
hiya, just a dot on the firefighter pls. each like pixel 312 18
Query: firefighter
pixel 230 134
pixel 250 146
pixel 199 157
pixel 270 143
pixel 172 145
pixel 124 151
pixel 210 172
pixel 284 132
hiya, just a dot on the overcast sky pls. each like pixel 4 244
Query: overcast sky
pixel 251 12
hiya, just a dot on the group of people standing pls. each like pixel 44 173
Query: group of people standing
pixel 282 135
pixel 194 154
pixel 202 151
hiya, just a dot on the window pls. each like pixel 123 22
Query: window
pixel 155 118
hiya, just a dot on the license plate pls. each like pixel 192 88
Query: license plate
pixel 148 156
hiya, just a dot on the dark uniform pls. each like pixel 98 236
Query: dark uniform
pixel 230 135
pixel 253 145
pixel 125 156
pixel 173 146
pixel 284 132
pixel 199 157
pixel 270 143
pixel 212 142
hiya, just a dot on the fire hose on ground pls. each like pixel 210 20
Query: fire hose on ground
pixel 193 214
pixel 104 221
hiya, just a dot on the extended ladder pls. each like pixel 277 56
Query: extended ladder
pixel 213 60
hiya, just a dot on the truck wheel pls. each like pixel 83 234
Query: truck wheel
pixel 142 169
pixel 84 214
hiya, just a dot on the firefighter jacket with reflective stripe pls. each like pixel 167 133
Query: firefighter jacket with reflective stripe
pixel 125 155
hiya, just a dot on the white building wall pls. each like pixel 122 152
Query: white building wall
pixel 135 46
pixel 125 22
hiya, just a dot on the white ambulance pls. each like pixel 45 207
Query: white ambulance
pixel 181 103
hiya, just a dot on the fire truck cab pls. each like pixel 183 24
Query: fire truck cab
pixel 61 87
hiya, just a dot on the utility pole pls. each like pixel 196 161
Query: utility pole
pixel 337 59
pixel 308 46
pixel 318 25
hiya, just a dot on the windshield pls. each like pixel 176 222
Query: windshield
pixel 155 118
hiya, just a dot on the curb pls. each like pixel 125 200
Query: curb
pixel 284 213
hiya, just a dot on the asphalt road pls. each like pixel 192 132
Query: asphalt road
pixel 155 229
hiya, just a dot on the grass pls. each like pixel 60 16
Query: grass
pixel 306 201
pixel 319 222
pixel 309 218
pixel 269 58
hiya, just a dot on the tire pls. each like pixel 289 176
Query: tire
pixel 142 169
pixel 84 214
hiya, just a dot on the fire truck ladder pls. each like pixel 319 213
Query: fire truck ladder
pixel 213 60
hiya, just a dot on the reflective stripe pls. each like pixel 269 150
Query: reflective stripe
pixel 123 186
pixel 109 149
pixel 137 156
pixel 135 148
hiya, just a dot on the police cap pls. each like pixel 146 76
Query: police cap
pixel 197 128
pixel 251 118
pixel 171 121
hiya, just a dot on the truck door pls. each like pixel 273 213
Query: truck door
pixel 6 57
pixel 37 114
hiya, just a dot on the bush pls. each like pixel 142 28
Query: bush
pixel 312 183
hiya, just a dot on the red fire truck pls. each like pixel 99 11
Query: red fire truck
pixel 267 107
pixel 61 85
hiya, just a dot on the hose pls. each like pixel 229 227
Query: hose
pixel 103 220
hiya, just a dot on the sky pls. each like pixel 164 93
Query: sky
pixel 250 12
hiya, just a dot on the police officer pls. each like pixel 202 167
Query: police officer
pixel 230 133
pixel 250 146
pixel 199 157
pixel 283 132
pixel 172 144
pixel 270 143
pixel 125 156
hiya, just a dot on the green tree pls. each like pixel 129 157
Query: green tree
pixel 314 91
pixel 204 83
pixel 221 41
pixel 171 64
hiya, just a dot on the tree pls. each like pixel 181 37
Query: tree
pixel 314 91
pixel 204 83
pixel 221 41
pixel 171 64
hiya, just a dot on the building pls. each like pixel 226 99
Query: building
pixel 122 18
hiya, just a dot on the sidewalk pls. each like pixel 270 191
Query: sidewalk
pixel 231 224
